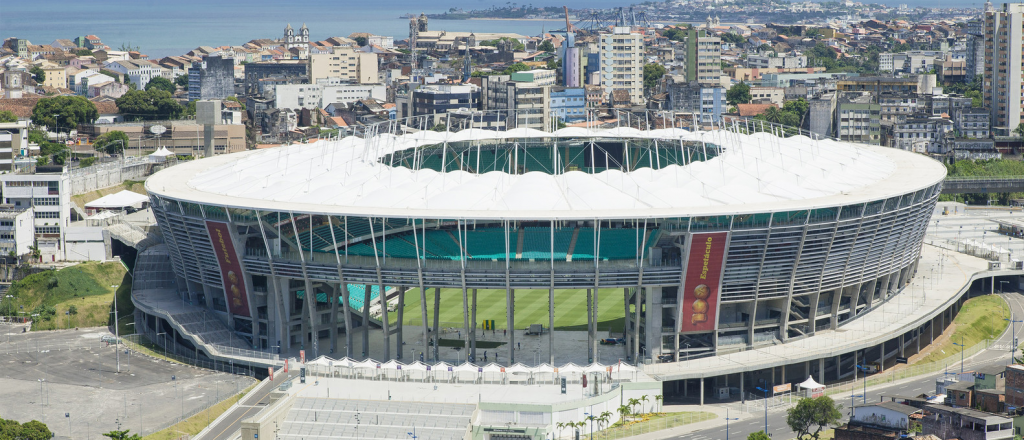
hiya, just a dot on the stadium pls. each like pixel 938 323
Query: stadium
pixel 695 241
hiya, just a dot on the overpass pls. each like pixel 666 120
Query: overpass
pixel 973 185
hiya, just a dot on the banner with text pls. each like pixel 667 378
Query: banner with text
pixel 703 274
pixel 230 269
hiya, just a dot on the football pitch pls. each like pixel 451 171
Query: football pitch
pixel 531 307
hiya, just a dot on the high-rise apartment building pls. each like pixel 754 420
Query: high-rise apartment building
pixel 212 78
pixel 1003 55
pixel 703 58
pixel 345 63
pixel 622 63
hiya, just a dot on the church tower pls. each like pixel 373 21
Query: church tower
pixel 304 35
pixel 289 36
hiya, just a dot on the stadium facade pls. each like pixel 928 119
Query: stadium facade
pixel 716 240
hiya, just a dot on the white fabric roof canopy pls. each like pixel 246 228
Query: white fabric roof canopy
pixel 122 199
pixel 754 173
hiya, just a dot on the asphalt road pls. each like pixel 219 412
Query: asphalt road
pixel 228 426
pixel 778 429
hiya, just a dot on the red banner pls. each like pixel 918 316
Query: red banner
pixel 230 270
pixel 700 291
pixel 271 371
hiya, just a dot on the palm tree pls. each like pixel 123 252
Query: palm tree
pixel 632 403
pixel 773 114
pixel 623 410
pixel 559 426
pixel 659 398
pixel 604 418
pixel 643 399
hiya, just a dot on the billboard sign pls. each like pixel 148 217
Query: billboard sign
pixel 703 275
pixel 230 269
pixel 784 388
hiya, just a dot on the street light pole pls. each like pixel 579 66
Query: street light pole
pixel 727 419
pixel 865 371
pixel 962 347
pixel 765 391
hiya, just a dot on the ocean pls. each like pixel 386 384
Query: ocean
pixel 162 28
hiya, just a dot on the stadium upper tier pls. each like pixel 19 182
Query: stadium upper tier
pixel 572 173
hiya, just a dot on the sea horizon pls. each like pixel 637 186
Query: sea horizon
pixel 165 29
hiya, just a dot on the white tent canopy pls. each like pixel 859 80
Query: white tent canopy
pixel 119 200
pixel 810 384
pixel 162 152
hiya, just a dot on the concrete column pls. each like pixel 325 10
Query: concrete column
pixel 743 392
pixel 366 321
pixel 702 392
pixel 821 371
pixel 839 369
pixel 384 319
pixel 465 319
pixel 400 325
pixel 917 339
pixel 807 369
pixel 551 323
pixel 783 373
pixel 512 327
pixel 472 329
pixel 855 369
pixel 437 322
pixel 333 323
pixel 590 328
pixel 773 376
pixel 593 341
pixel 426 323
pixel 636 326
pixel 685 383
pixel 902 353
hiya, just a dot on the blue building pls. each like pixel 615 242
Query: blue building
pixel 569 103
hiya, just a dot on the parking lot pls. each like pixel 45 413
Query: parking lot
pixel 71 383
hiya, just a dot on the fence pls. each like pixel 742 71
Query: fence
pixel 638 428
pixel 142 344
pixel 108 174
pixel 910 371
pixel 210 402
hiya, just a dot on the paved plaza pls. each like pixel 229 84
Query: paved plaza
pixel 68 379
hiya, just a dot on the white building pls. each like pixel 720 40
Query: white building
pixel 294 96
pixel 49 195
pixel 86 244
pixel 382 41
pixel 13 142
pixel 622 63
pixel 351 93
pixel 345 63
pixel 80 82
pixel 772 62
pixel 139 71
pixel 17 230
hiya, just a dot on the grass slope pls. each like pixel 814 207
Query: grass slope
pixel 981 318
pixel 531 307
pixel 87 286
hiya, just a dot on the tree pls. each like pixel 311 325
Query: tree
pixel 440 126
pixel 87 162
pixel 624 411
pixel 644 400
pixel 232 98
pixel 546 46
pixel 151 104
pixel 733 38
pixel 1019 131
pixel 738 94
pixel 759 435
pixel 516 67
pixel 111 142
pixel 772 114
pixel 181 80
pixel 8 116
pixel 811 416
pixel 659 398
pixel 652 74
pixel 73 110
pixel 361 41
pixel 632 403
pixel 161 83
pixel 122 435
pixel 38 74
pixel 34 430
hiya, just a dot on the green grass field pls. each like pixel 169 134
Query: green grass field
pixel 531 308
pixel 981 318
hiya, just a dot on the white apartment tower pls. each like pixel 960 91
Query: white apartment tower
pixel 1003 55
pixel 622 63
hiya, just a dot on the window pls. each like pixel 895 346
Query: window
pixel 44 214
pixel 47 229
pixel 47 201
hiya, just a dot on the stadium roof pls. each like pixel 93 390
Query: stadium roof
pixel 756 173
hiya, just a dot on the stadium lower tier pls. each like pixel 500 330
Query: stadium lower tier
pixel 719 283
